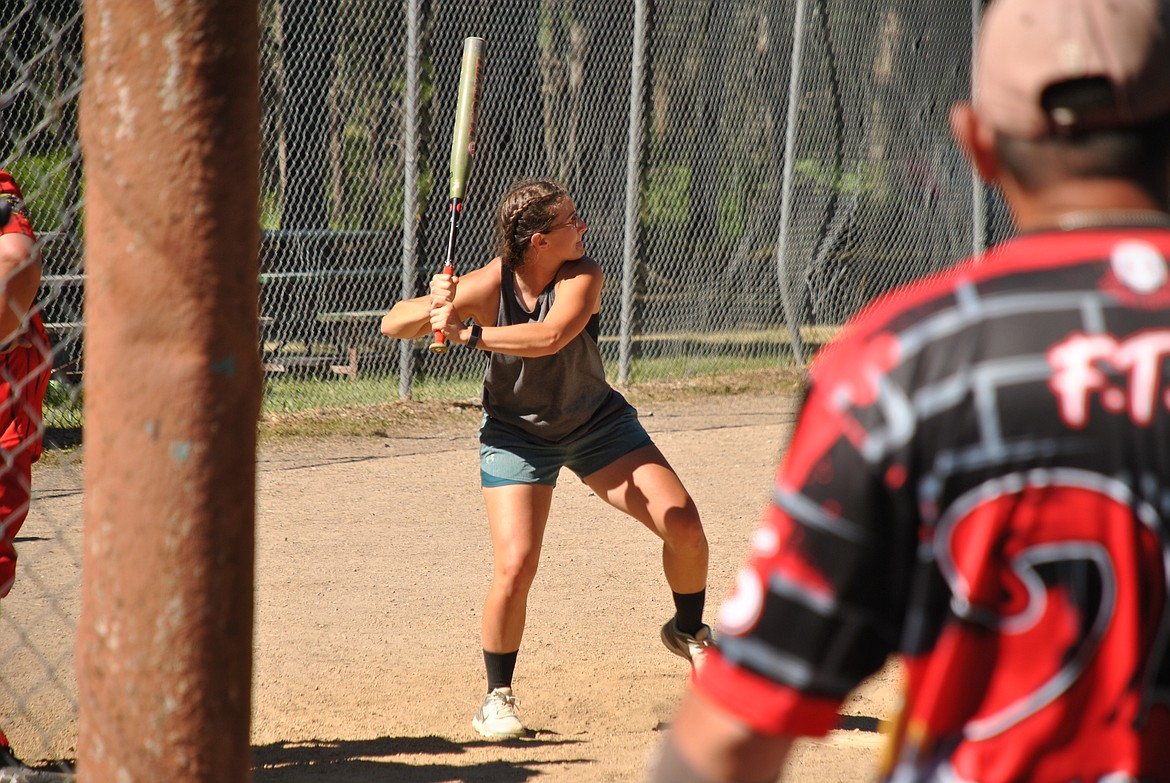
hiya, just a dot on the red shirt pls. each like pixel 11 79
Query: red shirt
pixel 18 223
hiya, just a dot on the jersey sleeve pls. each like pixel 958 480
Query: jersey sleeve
pixel 814 609
pixel 18 222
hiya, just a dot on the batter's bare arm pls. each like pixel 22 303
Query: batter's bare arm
pixel 408 319
pixel 578 297
pixel 20 276
pixel 473 295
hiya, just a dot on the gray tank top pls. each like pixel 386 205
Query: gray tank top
pixel 550 397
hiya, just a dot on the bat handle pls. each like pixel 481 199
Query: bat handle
pixel 439 343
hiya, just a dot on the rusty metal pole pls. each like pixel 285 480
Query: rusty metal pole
pixel 170 133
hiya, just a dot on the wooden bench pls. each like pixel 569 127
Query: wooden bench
pixel 66 363
pixel 352 328
pixel 279 365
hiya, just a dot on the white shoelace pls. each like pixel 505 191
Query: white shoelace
pixel 503 705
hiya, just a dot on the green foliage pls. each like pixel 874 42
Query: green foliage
pixel 544 28
pixel 56 394
pixel 63 406
pixel 864 178
pixel 354 171
pixel 731 214
pixel 269 211
pixel 666 196
pixel 44 179
pixel 426 82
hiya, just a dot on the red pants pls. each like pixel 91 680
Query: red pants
pixel 24 377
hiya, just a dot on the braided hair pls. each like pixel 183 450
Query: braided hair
pixel 530 206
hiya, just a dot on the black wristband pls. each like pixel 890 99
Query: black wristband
pixel 476 331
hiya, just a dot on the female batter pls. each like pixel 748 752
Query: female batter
pixel 535 309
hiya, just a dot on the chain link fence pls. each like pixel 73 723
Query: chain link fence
pixel 751 173
pixel 40 79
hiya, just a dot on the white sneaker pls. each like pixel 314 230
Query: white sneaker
pixel 497 718
pixel 693 648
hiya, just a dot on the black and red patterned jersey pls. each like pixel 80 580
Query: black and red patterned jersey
pixel 979 483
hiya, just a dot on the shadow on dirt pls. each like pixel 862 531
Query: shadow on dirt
pixel 365 761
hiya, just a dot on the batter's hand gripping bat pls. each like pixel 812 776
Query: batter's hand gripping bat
pixel 462 148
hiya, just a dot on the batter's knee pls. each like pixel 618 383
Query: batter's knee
pixel 684 530
pixel 516 572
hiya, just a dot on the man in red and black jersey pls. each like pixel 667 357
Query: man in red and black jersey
pixel 25 364
pixel 979 481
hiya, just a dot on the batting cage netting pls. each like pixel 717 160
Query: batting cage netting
pixel 750 173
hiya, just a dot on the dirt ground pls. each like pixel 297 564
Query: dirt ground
pixel 372 562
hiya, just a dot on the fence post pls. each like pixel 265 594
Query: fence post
pixel 633 186
pixel 978 197
pixel 791 123
pixel 170 132
pixel 409 192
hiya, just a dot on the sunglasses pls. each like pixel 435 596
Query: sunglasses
pixel 574 220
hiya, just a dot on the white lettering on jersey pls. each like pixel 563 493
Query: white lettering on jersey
pixel 1079 366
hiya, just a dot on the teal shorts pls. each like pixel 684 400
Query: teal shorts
pixel 509 456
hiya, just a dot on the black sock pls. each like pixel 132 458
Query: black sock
pixel 688 611
pixel 500 667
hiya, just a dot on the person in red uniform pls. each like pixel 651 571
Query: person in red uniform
pixel 979 479
pixel 25 364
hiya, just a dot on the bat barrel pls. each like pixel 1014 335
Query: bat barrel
pixel 463 139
